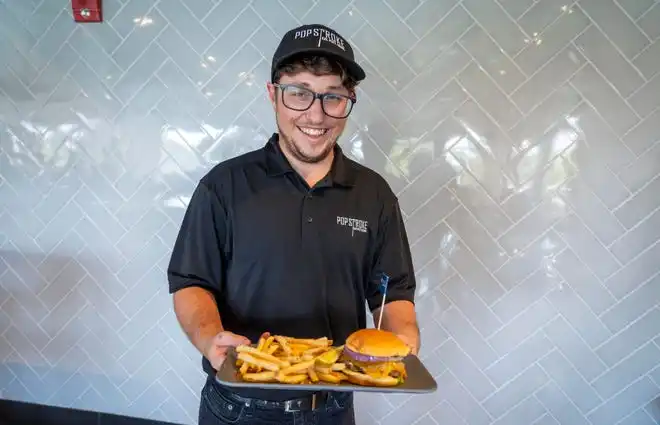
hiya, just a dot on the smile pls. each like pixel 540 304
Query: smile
pixel 314 132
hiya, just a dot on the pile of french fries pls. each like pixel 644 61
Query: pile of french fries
pixel 288 360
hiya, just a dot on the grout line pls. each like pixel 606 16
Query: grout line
pixel 541 262
pixel 506 384
pixel 580 337
pixel 134 28
pixel 488 271
pixel 41 71
pixel 384 40
pixel 501 323
pixel 584 263
pixel 568 45
pixel 480 225
pixel 445 151
pixel 614 45
pixel 634 226
pixel 632 260
pixel 586 226
pixel 639 124
pixel 403 21
pixel 439 22
pixel 633 21
pixel 634 58
pixel 570 400
pixel 647 151
pixel 434 225
pixel 551 24
pixel 627 357
pixel 288 12
pixel 524 12
pixel 389 85
pixel 635 193
pixel 51 25
pixel 449 80
pixel 412 12
pixel 655 4
pixel 605 401
pixel 515 20
pixel 436 59
pixel 612 86
pixel 581 298
pixel 629 325
pixel 506 54
pixel 602 118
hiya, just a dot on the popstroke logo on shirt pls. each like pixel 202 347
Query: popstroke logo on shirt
pixel 355 224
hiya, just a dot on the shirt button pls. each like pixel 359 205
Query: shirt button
pixel 309 219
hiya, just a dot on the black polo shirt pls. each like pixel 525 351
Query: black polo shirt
pixel 285 258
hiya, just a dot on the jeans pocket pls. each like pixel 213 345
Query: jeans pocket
pixel 225 409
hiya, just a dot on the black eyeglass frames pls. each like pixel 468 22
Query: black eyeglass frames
pixel 301 99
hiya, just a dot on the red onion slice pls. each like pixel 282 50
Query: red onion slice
pixel 365 358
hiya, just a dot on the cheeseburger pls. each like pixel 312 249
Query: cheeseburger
pixel 374 357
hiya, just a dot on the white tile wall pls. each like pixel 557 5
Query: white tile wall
pixel 522 137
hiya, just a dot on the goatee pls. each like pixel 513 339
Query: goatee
pixel 297 153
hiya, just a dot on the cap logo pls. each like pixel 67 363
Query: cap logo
pixel 323 35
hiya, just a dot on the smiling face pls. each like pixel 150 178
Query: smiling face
pixel 308 136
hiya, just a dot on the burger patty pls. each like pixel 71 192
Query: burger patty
pixel 382 368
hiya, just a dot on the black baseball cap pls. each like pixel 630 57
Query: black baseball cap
pixel 317 39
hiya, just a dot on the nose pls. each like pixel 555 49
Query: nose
pixel 315 112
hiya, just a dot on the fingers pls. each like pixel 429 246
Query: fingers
pixel 228 339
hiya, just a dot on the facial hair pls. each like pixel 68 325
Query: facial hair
pixel 298 154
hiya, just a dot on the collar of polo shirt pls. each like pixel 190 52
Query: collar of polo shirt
pixel 342 173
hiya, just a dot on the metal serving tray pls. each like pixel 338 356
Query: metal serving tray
pixel 419 380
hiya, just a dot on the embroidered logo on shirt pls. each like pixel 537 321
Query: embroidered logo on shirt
pixel 355 224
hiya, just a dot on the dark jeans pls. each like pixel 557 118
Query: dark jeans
pixel 217 408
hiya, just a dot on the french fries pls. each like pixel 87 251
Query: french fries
pixel 288 360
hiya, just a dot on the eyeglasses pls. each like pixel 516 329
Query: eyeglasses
pixel 301 99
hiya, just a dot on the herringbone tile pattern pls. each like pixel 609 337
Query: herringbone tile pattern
pixel 522 137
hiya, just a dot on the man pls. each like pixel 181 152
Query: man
pixel 292 239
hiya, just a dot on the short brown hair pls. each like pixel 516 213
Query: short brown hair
pixel 317 65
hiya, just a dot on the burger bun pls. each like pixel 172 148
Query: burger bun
pixel 377 343
pixel 363 379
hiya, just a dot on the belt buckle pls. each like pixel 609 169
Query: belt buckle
pixel 294 405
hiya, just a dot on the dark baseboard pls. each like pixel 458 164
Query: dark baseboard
pixel 21 413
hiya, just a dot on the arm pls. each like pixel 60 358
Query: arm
pixel 399 317
pixel 392 257
pixel 198 315
pixel 196 274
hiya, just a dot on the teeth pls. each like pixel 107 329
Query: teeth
pixel 313 131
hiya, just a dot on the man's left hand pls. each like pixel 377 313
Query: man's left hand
pixel 409 343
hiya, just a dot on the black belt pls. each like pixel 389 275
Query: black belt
pixel 315 401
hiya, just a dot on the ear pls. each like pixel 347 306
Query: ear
pixel 272 93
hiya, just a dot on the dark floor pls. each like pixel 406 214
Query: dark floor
pixel 18 413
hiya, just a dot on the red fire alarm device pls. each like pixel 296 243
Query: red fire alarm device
pixel 87 10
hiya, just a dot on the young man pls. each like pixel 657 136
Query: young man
pixel 292 239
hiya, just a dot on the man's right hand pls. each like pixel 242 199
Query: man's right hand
pixel 216 349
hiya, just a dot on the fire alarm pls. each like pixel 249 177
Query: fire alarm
pixel 87 10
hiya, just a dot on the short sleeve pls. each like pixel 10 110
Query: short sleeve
pixel 393 258
pixel 199 253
